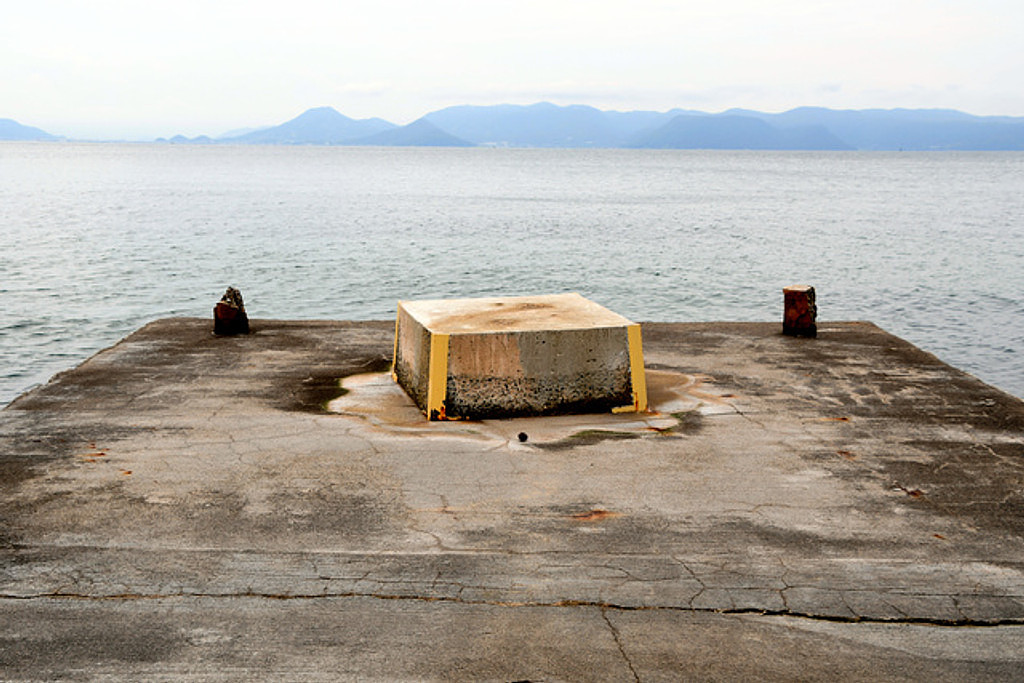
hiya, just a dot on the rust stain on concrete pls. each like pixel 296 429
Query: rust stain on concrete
pixel 595 515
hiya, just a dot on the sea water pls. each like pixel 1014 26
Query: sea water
pixel 97 239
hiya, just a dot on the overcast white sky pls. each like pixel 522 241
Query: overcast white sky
pixel 148 68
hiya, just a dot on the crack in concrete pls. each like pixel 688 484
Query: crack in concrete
pixel 956 606
pixel 618 644
pixel 746 416
pixel 694 575
pixel 249 593
pixel 785 584
pixel 842 598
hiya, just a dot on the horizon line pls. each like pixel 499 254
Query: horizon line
pixel 222 136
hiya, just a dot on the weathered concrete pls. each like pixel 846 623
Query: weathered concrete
pixel 517 356
pixel 185 506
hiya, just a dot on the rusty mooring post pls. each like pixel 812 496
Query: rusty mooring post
pixel 801 314
pixel 229 314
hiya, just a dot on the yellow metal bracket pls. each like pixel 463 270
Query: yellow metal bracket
pixel 638 379
pixel 437 382
pixel 394 355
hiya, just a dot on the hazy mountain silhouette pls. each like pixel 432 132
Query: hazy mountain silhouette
pixel 318 126
pixel 805 128
pixel 539 125
pixel 12 130
pixel 239 132
pixel 690 131
pixel 907 129
pixel 545 125
pixel 183 140
pixel 549 125
pixel 419 133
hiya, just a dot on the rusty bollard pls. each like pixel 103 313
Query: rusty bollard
pixel 229 316
pixel 801 314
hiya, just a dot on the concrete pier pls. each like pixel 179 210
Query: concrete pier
pixel 185 506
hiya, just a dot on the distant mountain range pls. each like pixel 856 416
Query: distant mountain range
pixel 546 125
pixel 549 125
pixel 12 130
pixel 736 131
pixel 327 126
pixel 318 126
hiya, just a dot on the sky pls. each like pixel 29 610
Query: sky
pixel 140 69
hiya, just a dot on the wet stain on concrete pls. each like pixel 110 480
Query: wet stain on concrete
pixel 14 470
pixel 588 437
pixel 688 422
pixel 131 638
pixel 26 456
pixel 794 543
pixel 216 515
pixel 330 513
pixel 315 392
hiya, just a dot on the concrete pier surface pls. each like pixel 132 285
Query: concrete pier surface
pixel 185 506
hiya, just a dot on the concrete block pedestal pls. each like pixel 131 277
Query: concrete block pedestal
pixel 517 356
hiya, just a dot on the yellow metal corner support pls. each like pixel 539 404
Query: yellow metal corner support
pixel 394 355
pixel 636 368
pixel 437 381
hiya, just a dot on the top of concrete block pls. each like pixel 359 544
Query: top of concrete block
pixel 512 314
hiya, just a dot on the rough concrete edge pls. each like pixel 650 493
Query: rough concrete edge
pixel 323 322
pixel 31 391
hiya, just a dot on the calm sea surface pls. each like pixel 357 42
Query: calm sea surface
pixel 97 239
